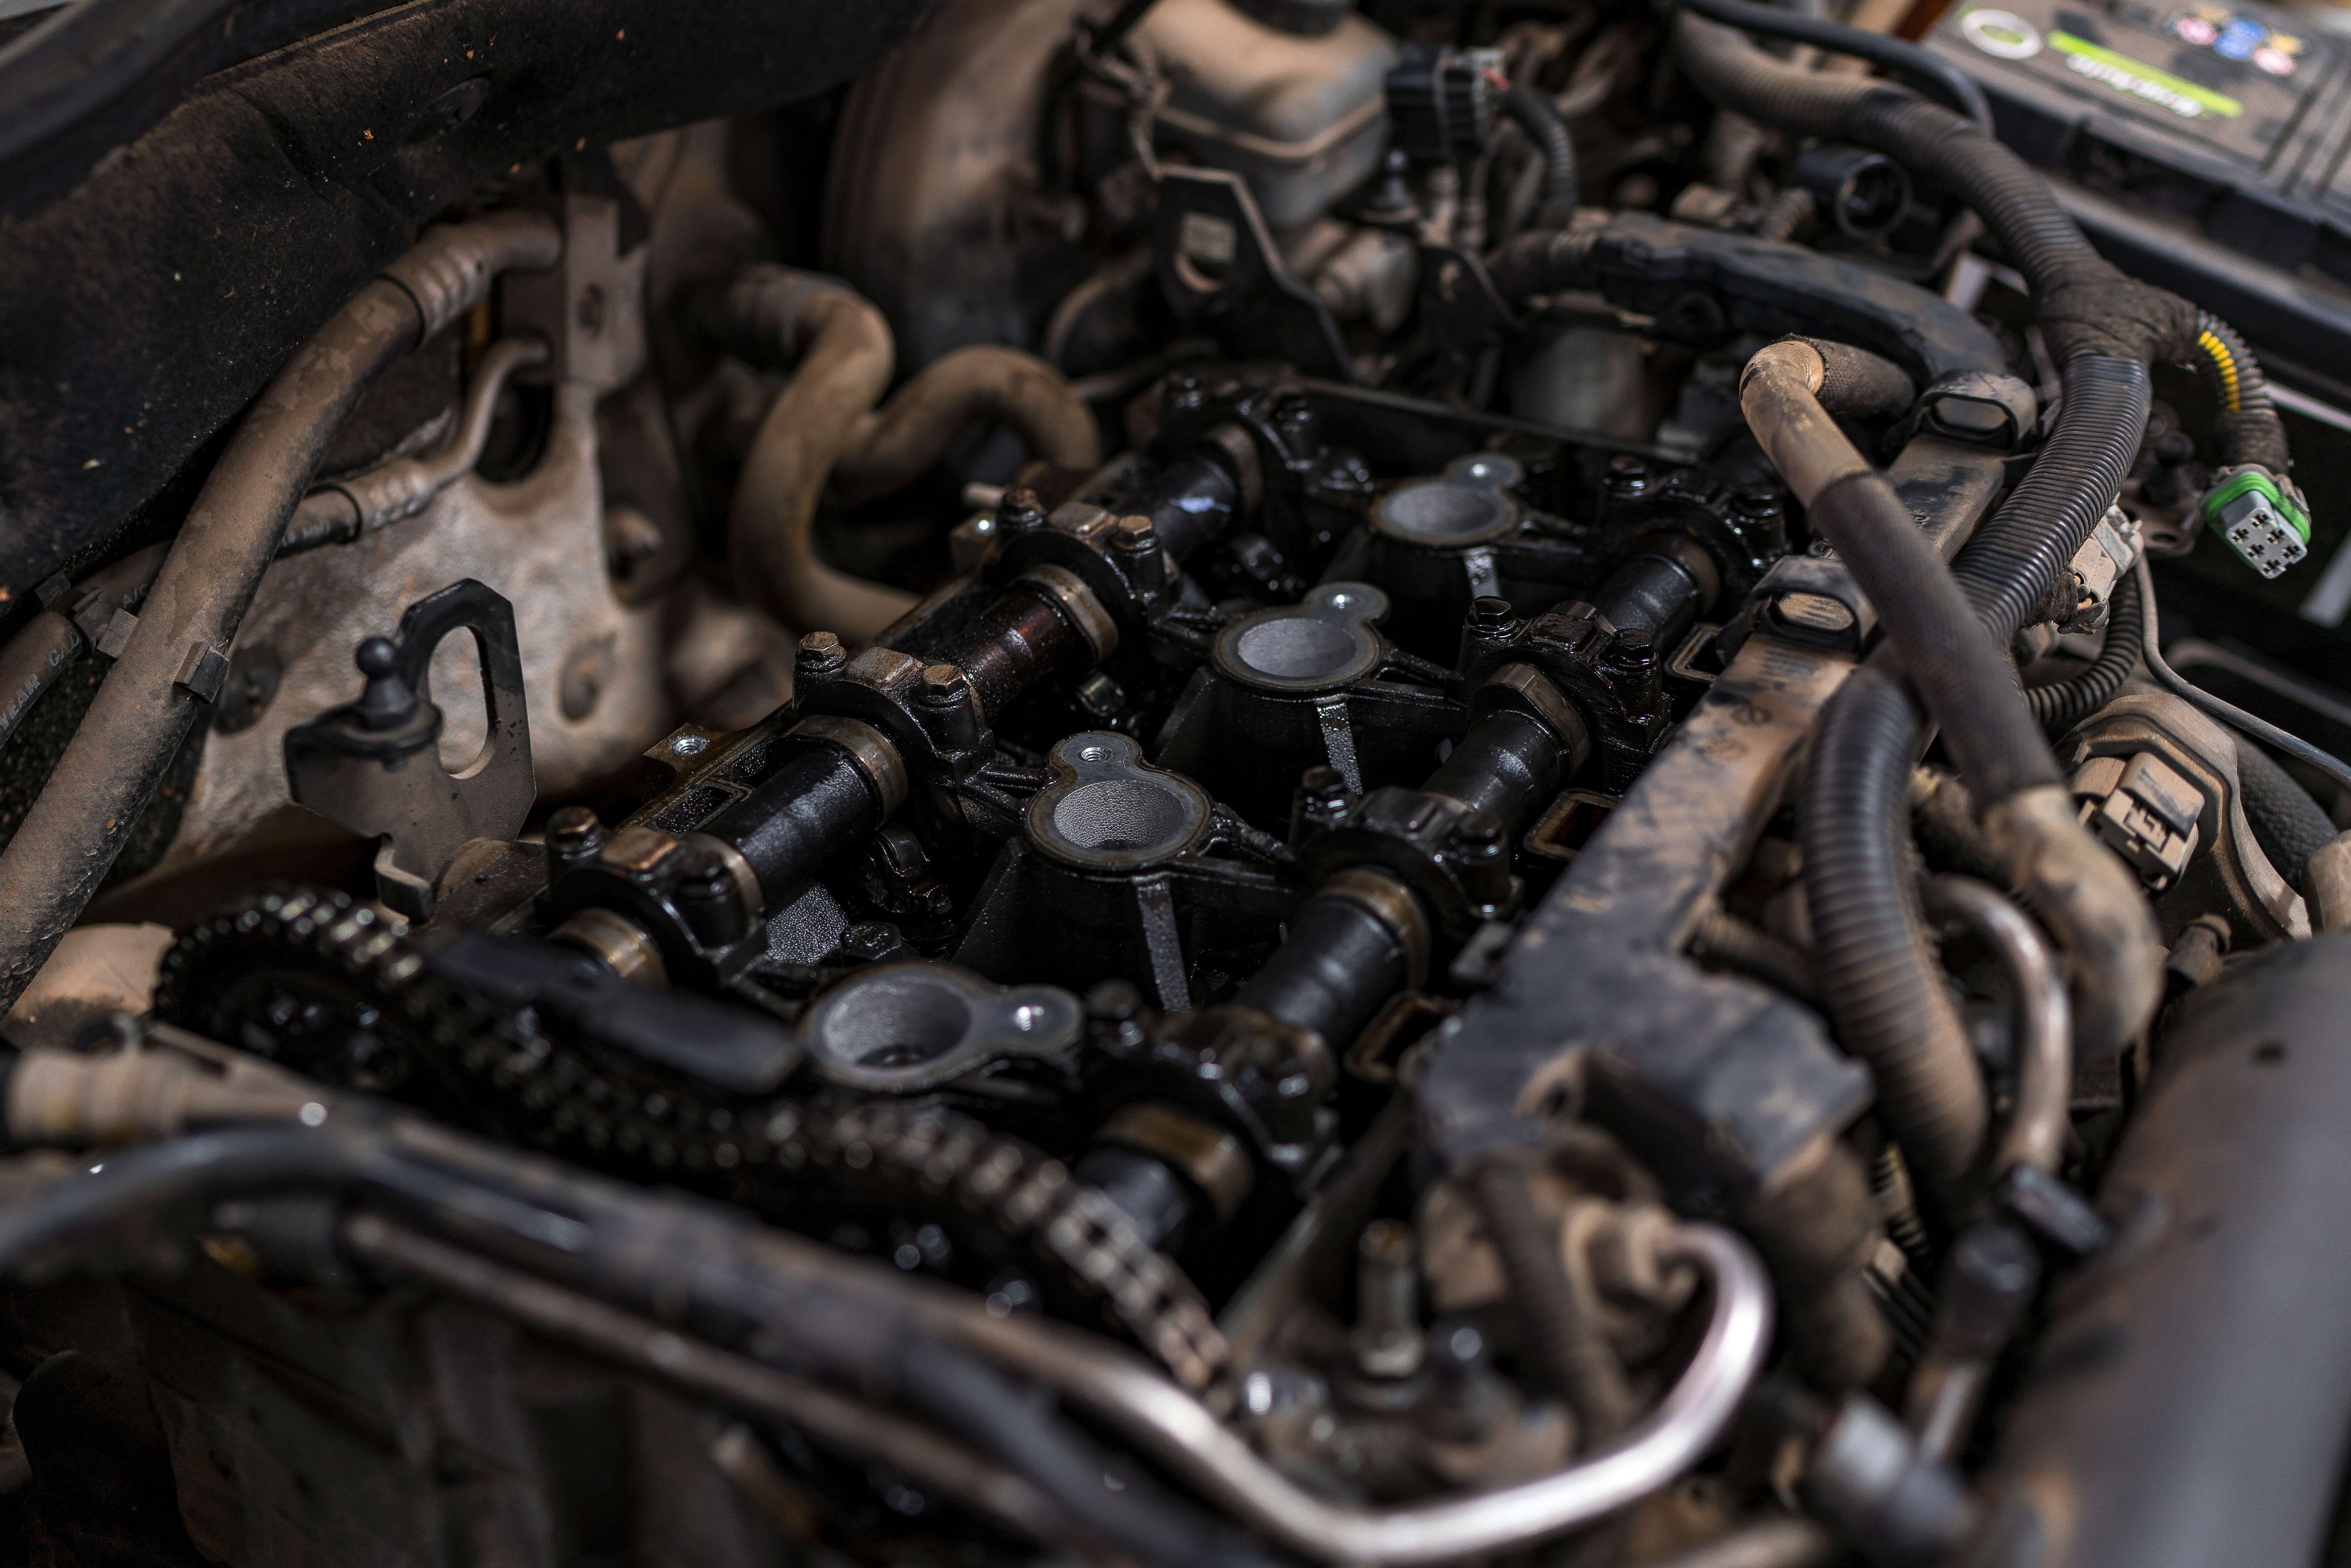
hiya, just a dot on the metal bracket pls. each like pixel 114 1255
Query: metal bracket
pixel 1222 273
pixel 374 765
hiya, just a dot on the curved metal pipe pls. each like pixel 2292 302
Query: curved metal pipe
pixel 172 664
pixel 422 1168
pixel 1182 1433
pixel 344 510
pixel 2044 1019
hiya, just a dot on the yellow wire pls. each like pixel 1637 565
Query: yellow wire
pixel 2219 351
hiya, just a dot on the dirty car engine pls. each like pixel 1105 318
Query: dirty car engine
pixel 1185 781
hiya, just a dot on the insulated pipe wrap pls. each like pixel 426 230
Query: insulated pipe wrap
pixel 2008 567
pixel 1875 970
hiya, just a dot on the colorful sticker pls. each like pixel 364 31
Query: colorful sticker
pixel 2240 38
pixel 2142 81
pixel 2235 37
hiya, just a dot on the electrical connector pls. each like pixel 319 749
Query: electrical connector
pixel 2263 516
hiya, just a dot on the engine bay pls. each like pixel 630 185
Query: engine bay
pixel 1186 781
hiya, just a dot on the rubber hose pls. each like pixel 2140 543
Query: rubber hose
pixel 984 383
pixel 1563 1344
pixel 180 1178
pixel 2289 825
pixel 70 838
pixel 46 648
pixel 1742 77
pixel 1896 55
pixel 1735 945
pixel 2041 239
pixel 2006 570
pixel 1880 977
pixel 2068 702
pixel 1536 115
pixel 1962 676
pixel 53 643
pixel 844 363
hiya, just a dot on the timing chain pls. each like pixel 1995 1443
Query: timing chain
pixel 605 1111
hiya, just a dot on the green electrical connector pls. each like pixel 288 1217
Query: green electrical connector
pixel 2261 516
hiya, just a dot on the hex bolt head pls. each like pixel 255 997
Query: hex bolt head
pixel 820 656
pixel 943 685
pixel 1478 834
pixel 1135 535
pixel 872 942
pixel 1321 802
pixel 1325 785
pixel 1488 613
pixel 710 898
pixel 573 834
pixel 1018 511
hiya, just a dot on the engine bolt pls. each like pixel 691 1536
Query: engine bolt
pixel 1322 802
pixel 573 834
pixel 1627 475
pixel 1488 613
pixel 1387 1339
pixel 1018 511
pixel 711 900
pixel 872 942
pixel 950 715
pixel 821 657
pixel 942 684
pixel 1135 535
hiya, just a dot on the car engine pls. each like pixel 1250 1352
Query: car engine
pixel 1172 782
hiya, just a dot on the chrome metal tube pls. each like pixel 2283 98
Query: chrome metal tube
pixel 2044 1019
pixel 1182 1433
pixel 346 510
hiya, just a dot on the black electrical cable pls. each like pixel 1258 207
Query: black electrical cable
pixel 1896 54
pixel 1534 113
pixel 2260 729
pixel 2064 703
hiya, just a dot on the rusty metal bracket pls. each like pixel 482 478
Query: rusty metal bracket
pixel 374 765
